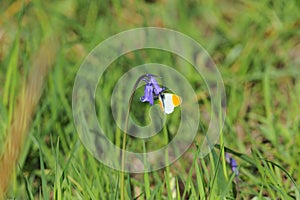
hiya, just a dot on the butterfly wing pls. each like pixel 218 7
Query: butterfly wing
pixel 168 102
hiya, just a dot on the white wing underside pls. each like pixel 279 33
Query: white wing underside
pixel 168 103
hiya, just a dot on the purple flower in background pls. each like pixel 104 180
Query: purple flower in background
pixel 232 163
pixel 148 94
pixel 151 90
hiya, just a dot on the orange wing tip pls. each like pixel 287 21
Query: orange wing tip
pixel 176 100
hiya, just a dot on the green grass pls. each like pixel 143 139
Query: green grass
pixel 256 46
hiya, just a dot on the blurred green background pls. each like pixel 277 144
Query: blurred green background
pixel 256 46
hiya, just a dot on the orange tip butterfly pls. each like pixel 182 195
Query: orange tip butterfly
pixel 168 102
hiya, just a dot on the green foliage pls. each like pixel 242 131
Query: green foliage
pixel 254 44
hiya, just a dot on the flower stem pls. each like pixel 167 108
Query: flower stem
pixel 122 181
pixel 122 185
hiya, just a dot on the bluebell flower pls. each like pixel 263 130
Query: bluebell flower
pixel 151 90
pixel 148 94
pixel 232 163
pixel 157 88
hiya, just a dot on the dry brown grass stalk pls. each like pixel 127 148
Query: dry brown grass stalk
pixel 24 111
